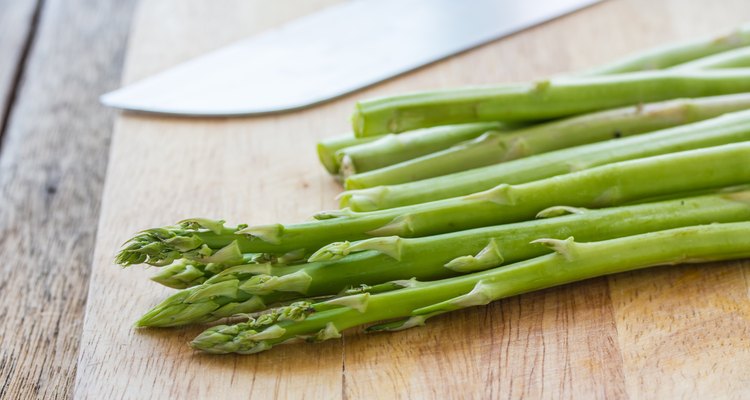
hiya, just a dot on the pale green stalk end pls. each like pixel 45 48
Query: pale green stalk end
pixel 363 199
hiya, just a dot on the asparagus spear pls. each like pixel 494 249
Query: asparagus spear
pixel 435 250
pixel 724 129
pixel 736 58
pixel 670 55
pixel 493 147
pixel 339 266
pixel 554 98
pixel 571 261
pixel 602 186
pixel 328 147
pixel 394 148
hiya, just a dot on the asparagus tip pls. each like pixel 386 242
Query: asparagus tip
pixel 147 247
pixel 214 225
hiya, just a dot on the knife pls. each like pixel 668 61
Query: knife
pixel 331 53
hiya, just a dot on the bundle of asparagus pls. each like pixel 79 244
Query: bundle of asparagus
pixel 461 197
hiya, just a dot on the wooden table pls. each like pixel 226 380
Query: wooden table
pixel 666 332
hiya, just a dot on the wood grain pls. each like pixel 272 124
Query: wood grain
pixel 586 340
pixel 17 26
pixel 51 175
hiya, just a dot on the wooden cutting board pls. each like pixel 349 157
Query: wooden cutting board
pixel 666 332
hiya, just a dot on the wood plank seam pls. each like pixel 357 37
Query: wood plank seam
pixel 20 67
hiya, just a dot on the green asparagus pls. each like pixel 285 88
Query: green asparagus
pixel 359 265
pixel 328 147
pixel 493 147
pixel 724 129
pixel 395 148
pixel 184 272
pixel 554 98
pixel 667 56
pixel 602 186
pixel 737 58
pixel 411 306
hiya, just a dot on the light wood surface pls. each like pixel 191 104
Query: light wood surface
pixel 52 167
pixel 666 332
pixel 16 29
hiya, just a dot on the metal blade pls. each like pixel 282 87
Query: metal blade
pixel 331 53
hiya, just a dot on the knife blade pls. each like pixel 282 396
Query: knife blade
pixel 330 53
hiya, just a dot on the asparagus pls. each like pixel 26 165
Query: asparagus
pixel 362 264
pixel 724 129
pixel 553 98
pixel 736 58
pixel 493 147
pixel 328 147
pixel 602 186
pixel 571 261
pixel 667 56
pixel 185 272
pixel 395 148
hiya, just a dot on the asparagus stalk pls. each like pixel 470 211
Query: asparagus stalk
pixel 554 98
pixel 724 129
pixel 571 261
pixel 602 186
pixel 493 147
pixel 328 147
pixel 395 148
pixel 362 264
pixel 670 55
pixel 737 58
